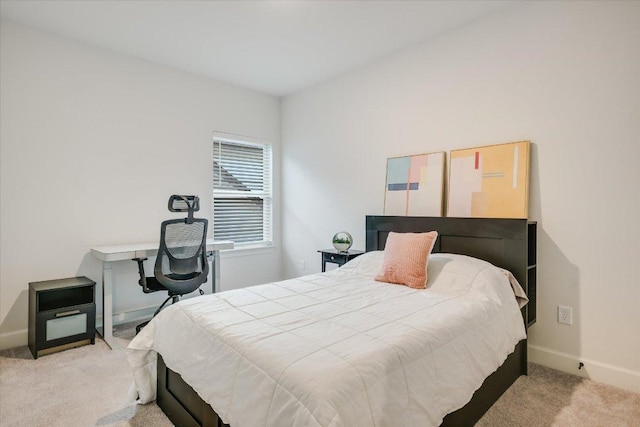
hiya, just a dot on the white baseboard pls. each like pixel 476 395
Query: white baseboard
pixel 13 339
pixel 594 370
pixel 21 337
pixel 129 316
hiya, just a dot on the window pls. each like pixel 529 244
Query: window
pixel 242 197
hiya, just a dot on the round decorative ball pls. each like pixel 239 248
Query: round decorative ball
pixel 342 241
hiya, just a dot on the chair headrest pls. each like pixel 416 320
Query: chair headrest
pixel 181 203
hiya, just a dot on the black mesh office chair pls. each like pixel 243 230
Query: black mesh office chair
pixel 181 266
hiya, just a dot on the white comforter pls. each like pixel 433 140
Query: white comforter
pixel 338 348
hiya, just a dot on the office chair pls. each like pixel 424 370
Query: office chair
pixel 181 265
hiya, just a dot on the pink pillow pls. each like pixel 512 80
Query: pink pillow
pixel 405 258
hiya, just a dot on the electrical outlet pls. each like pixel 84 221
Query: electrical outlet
pixel 565 315
pixel 302 265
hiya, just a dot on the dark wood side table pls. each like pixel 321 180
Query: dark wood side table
pixel 337 257
pixel 62 314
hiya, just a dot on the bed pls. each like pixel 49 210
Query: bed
pixel 307 382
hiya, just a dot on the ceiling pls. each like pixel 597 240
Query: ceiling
pixel 275 47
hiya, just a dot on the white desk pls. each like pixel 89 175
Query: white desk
pixel 110 254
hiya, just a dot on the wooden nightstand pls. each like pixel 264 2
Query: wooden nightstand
pixel 340 258
pixel 62 315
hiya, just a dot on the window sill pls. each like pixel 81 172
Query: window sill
pixel 247 251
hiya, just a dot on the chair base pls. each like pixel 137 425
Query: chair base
pixel 142 325
pixel 175 299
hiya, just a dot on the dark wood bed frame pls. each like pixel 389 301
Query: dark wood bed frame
pixel 506 243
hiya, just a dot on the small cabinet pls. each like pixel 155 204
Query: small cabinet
pixel 62 314
pixel 336 257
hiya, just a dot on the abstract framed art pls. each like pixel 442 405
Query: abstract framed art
pixel 415 185
pixel 490 181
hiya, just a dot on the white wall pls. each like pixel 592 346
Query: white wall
pixel 565 75
pixel 92 145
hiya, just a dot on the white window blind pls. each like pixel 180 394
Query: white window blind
pixel 242 196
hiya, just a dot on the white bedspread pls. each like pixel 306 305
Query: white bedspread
pixel 338 348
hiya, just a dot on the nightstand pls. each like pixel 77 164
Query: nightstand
pixel 62 315
pixel 336 257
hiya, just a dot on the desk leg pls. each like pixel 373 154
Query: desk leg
pixel 107 308
pixel 215 271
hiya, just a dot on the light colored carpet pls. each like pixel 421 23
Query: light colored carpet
pixel 547 397
pixel 84 386
pixel 89 386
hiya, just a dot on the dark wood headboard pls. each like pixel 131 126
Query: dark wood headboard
pixel 506 243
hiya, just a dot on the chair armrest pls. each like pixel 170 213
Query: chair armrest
pixel 143 278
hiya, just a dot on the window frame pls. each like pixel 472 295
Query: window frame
pixel 266 195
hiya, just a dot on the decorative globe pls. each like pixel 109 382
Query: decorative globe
pixel 342 241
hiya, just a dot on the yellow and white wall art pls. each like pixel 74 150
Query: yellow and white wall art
pixel 490 182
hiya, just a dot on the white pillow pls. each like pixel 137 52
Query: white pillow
pixel 367 264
